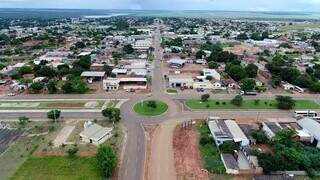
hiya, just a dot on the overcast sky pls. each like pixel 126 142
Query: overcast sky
pixel 241 5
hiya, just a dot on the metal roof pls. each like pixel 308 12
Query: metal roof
pixel 95 132
pixel 92 74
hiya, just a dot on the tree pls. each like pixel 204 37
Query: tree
pixel 52 86
pixel 107 161
pixel 113 114
pixel 236 72
pixel 251 70
pixel 260 136
pixel 36 87
pixel 285 102
pixel 75 85
pixel 212 65
pixel 242 36
pixel 256 36
pixel 276 80
pixel 43 70
pixel 54 115
pixel 205 97
pixel 152 104
pixel 25 70
pixel 128 49
pixel 23 121
pixel 80 45
pixel 200 54
pixel 248 84
pixel 237 100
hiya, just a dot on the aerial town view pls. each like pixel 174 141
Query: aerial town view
pixel 159 90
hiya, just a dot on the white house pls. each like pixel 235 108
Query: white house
pixel 111 84
pixel 313 128
pixel 180 81
pixel 95 134
pixel 211 72
pixel 227 130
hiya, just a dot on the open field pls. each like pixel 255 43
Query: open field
pixel 300 27
pixel 247 104
pixel 143 109
pixel 68 168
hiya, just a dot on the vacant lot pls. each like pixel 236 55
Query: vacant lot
pixel 62 168
pixel 247 104
pixel 7 137
pixel 186 154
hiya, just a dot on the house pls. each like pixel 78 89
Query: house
pixel 227 130
pixel 271 128
pixel 95 75
pixel 180 81
pixel 117 71
pixel 230 163
pixel 313 128
pixel 211 72
pixel 111 84
pixel 95 134
pixel 176 63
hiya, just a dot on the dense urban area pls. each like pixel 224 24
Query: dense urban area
pixel 160 98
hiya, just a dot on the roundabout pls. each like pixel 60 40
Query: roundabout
pixel 150 108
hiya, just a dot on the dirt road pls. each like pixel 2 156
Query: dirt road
pixel 161 157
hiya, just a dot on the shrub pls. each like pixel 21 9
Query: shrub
pixel 72 151
pixel 237 101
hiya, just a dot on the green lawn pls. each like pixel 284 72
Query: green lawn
pixel 172 91
pixel 142 108
pixel 247 104
pixel 62 168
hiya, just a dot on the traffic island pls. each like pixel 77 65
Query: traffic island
pixel 150 108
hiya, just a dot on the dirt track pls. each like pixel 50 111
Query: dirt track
pixel 186 154
pixel 161 166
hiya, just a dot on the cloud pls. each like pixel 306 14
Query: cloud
pixel 242 5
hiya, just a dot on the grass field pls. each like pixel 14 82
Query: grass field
pixel 142 108
pixel 247 104
pixel 62 168
pixel 49 105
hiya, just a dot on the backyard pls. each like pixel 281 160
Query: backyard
pixel 247 104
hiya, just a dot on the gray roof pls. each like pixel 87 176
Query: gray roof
pixel 273 127
pixel 311 126
pixel 230 161
pixel 219 128
pixel 95 132
pixel 92 74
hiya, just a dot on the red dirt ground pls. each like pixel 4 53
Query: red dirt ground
pixel 186 154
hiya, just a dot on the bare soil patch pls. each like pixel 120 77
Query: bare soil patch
pixel 149 133
pixel 186 154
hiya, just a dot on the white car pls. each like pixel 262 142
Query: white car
pixel 11 94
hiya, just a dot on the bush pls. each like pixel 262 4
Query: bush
pixel 72 151
pixel 217 103
pixel 256 102
pixel 229 147
pixel 237 101
pixel 224 103
pixel 206 140
pixel 260 137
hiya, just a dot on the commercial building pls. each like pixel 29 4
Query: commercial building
pixel 95 134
